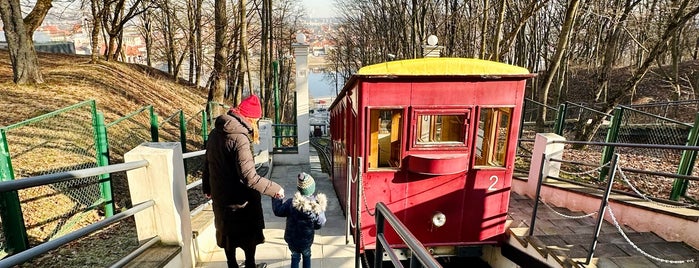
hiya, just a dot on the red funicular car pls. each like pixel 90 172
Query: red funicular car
pixel 434 139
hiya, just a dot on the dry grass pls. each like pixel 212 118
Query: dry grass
pixel 118 89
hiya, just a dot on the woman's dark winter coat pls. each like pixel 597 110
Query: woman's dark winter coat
pixel 233 183
pixel 304 215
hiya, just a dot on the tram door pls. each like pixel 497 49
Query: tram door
pixel 491 174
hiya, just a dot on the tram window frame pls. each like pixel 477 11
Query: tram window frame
pixel 460 143
pixel 489 154
pixel 383 119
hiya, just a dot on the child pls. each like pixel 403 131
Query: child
pixel 304 213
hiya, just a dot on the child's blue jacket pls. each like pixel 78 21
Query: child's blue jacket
pixel 304 215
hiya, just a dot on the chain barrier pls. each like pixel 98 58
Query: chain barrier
pixel 366 204
pixel 645 197
pixel 564 215
pixel 618 227
pixel 597 169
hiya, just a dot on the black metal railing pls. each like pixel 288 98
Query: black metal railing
pixel 419 253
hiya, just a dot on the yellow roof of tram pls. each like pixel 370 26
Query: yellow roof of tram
pixel 442 67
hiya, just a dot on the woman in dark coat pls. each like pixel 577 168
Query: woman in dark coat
pixel 231 181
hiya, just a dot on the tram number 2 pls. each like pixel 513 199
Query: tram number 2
pixel 494 179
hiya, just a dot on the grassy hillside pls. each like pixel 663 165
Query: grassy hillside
pixel 117 88
pixel 55 145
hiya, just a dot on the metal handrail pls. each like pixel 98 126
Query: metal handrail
pixel 656 116
pixel 69 175
pixel 656 104
pixel 193 154
pixel 587 108
pixel 28 254
pixel 418 250
pixel 51 114
pixel 630 145
pixel 128 116
pixel 602 208
pixel 640 171
pixel 541 104
pixel 194 184
pixel 169 118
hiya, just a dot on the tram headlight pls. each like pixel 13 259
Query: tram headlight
pixel 439 219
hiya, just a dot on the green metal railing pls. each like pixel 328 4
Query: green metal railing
pixel 77 137
pixel 66 139
pixel 626 125
pixel 286 138
pixel 174 129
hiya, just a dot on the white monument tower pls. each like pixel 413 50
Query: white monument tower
pixel 302 106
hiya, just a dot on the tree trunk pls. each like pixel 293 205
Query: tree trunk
pixel 498 31
pixel 25 63
pixel 561 48
pixel 484 28
pixel 244 66
pixel 218 85
pixel 95 33
pixel 200 45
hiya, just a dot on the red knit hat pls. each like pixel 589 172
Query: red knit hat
pixel 250 107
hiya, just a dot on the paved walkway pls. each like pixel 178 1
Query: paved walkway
pixel 329 248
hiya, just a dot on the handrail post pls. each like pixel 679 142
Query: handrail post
pixel 275 75
pixel 11 212
pixel 378 260
pixel 602 207
pixel 102 148
pixel 153 125
pixel 204 126
pixel 612 136
pixel 521 123
pixel 538 192
pixel 358 228
pixel 183 132
pixel 679 186
pixel 348 199
pixel 559 125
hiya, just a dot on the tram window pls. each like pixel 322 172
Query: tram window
pixel 440 129
pixel 493 134
pixel 385 138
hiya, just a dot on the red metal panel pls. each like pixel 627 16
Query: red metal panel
pixel 386 93
pixel 438 164
pixel 461 93
pixel 428 195
pixel 488 197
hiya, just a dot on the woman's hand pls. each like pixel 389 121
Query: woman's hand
pixel 280 194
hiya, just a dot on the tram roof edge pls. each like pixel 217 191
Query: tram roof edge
pixel 443 67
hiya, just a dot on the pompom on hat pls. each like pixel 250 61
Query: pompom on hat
pixel 306 185
pixel 250 107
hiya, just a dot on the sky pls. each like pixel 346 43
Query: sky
pixel 319 8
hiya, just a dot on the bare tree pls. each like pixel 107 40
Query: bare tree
pixel 18 33
pixel 115 14
pixel 218 76
pixel 562 46
pixel 685 11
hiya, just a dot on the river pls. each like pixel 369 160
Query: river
pixel 321 86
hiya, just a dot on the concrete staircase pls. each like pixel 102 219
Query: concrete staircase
pixel 560 241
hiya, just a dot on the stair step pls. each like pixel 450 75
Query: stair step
pixel 156 256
